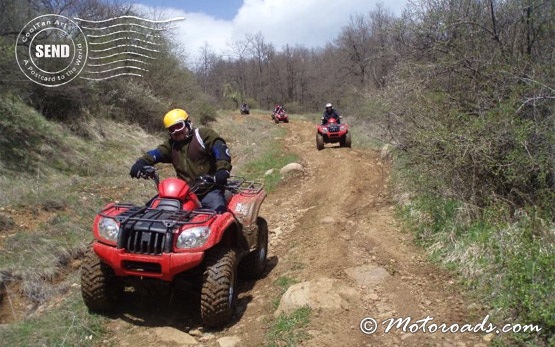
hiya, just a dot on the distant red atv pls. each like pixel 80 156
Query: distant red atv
pixel 280 117
pixel 172 239
pixel 333 132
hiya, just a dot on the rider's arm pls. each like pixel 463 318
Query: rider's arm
pixel 161 154
pixel 217 148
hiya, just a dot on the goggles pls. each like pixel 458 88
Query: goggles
pixel 177 127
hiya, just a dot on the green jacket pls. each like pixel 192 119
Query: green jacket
pixel 203 153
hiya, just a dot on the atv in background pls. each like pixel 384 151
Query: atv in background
pixel 280 117
pixel 172 239
pixel 333 132
pixel 245 109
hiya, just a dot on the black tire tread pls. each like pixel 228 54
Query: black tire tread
pixel 99 289
pixel 219 275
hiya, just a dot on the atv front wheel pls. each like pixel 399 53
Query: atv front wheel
pixel 348 140
pixel 100 288
pixel 319 141
pixel 217 297
pixel 253 264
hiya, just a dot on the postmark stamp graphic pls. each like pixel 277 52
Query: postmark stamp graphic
pixel 51 50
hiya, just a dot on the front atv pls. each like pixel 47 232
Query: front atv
pixel 333 132
pixel 173 238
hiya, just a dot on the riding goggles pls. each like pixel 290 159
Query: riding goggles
pixel 177 127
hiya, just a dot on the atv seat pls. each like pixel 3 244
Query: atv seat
pixel 166 204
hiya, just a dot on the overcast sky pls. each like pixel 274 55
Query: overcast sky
pixel 310 23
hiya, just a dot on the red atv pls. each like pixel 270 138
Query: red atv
pixel 280 117
pixel 333 132
pixel 171 239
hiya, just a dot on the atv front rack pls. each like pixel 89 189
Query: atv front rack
pixel 169 219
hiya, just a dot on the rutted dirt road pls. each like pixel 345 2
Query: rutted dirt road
pixel 331 225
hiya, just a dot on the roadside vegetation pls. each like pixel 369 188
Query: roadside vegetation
pixel 462 91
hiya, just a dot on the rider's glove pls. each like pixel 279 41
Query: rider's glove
pixel 137 167
pixel 221 177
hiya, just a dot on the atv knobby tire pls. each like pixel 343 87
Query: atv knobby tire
pixel 346 140
pixel 253 264
pixel 218 294
pixel 319 141
pixel 100 288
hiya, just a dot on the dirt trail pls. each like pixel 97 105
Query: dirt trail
pixel 336 216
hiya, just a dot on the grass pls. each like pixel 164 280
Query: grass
pixel 508 263
pixel 49 199
pixel 68 324
pixel 287 329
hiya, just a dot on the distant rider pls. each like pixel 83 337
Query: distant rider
pixel 193 152
pixel 278 110
pixel 330 113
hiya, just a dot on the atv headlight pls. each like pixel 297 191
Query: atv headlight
pixel 342 128
pixel 108 229
pixel 324 130
pixel 193 237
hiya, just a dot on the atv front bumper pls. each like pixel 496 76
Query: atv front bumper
pixel 163 267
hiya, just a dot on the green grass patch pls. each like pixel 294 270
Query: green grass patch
pixel 509 263
pixel 69 324
pixel 274 160
pixel 287 329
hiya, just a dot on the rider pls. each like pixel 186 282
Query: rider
pixel 278 109
pixel 193 152
pixel 330 113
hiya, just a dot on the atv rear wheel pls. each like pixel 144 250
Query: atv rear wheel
pixel 253 264
pixel 319 141
pixel 218 295
pixel 100 288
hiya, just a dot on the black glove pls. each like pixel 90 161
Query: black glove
pixel 221 177
pixel 137 167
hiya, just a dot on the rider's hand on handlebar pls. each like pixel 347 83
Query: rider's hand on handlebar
pixel 137 168
pixel 221 177
pixel 148 172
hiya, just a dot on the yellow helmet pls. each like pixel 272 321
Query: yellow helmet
pixel 175 116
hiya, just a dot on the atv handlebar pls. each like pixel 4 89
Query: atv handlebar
pixel 201 184
pixel 149 172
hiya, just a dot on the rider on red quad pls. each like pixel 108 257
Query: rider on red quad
pixel 278 110
pixel 193 152
pixel 330 113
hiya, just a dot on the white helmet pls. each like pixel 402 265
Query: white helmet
pixel 329 105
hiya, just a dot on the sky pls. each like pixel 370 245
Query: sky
pixel 218 23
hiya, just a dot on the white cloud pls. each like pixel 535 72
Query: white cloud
pixel 311 23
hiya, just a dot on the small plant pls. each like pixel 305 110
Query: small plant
pixel 287 329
